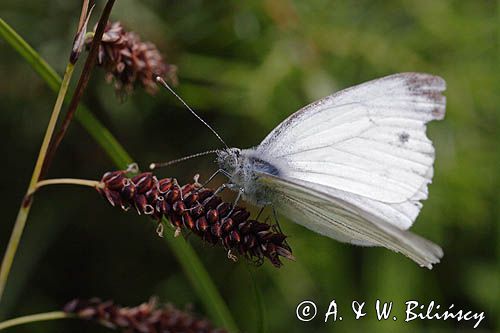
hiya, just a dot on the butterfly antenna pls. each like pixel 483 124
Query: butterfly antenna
pixel 156 165
pixel 164 84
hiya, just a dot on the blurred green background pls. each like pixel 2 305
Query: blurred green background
pixel 245 66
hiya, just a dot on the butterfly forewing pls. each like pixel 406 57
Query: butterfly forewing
pixel 368 140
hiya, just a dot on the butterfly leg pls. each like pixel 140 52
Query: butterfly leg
pixel 238 196
pixel 275 215
pixel 277 228
pixel 223 187
pixel 276 221
pixel 260 212
pixel 267 217
pixel 213 176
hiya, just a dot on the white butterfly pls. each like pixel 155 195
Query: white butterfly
pixel 353 166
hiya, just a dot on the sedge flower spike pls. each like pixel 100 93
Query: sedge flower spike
pixel 199 211
pixel 147 317
pixel 130 62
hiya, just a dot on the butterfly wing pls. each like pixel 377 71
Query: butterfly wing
pixel 341 220
pixel 369 140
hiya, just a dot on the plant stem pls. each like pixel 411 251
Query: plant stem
pixel 68 181
pixel 186 256
pixel 100 133
pixel 34 318
pixel 44 156
pixel 82 83
pixel 52 124
pixel 27 200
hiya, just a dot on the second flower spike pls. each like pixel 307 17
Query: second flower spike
pixel 128 61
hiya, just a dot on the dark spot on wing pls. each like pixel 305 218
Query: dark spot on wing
pixel 422 81
pixel 438 112
pixel 430 87
pixel 433 95
pixel 418 80
pixel 403 137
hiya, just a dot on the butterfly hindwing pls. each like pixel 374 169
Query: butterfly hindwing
pixel 345 222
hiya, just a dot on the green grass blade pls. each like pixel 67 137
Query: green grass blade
pixel 187 257
pixel 201 282
pixel 261 310
pixel 49 75
pixel 43 69
pixel 103 137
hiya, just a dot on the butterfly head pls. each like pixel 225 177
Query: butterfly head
pixel 229 160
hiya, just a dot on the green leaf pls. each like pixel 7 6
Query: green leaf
pixel 261 311
pixel 105 139
pixel 187 257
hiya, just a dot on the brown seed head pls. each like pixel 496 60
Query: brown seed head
pixel 198 211
pixel 145 318
pixel 129 62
